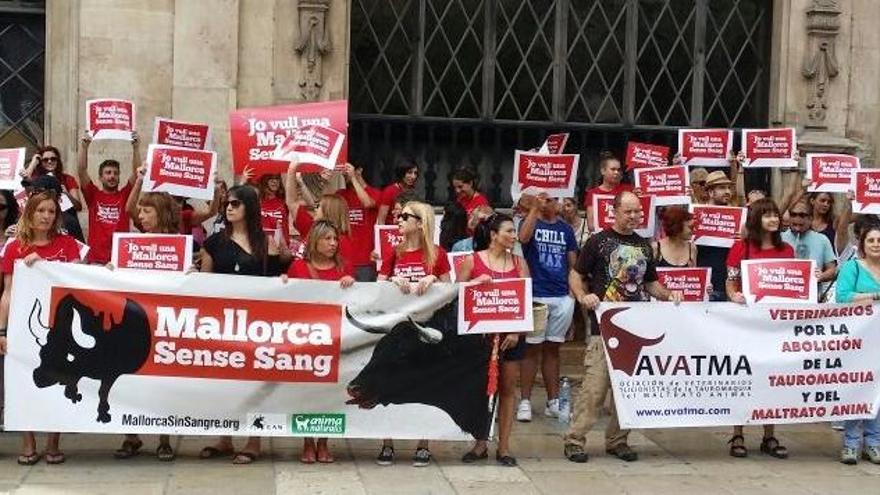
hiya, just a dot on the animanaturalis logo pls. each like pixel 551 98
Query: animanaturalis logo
pixel 317 424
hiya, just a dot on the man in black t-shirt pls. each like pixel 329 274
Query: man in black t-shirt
pixel 614 265
pixel 720 190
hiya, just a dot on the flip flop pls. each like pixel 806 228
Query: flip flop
pixel 129 449
pixel 28 459
pixel 56 458
pixel 245 457
pixel 213 452
pixel 165 453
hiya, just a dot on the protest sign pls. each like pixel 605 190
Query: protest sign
pixel 256 133
pixel 166 252
pixel 644 155
pixel 831 172
pixel 108 118
pixel 385 239
pixel 764 364
pixel 866 186
pixel 769 148
pixel 668 185
pixel 603 214
pixel 500 306
pixel 534 173
pixel 305 358
pixel 691 282
pixel 315 147
pixel 182 134
pixel 717 225
pixel 180 171
pixel 554 144
pixel 705 147
pixel 779 280
pixel 11 165
pixel 455 261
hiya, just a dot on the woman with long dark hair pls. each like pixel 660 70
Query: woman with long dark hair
pixel 47 161
pixel 465 183
pixel 273 206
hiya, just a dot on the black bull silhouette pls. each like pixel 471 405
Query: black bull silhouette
pixel 77 346
pixel 428 364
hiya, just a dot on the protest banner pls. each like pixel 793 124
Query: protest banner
pixel 691 282
pixel 644 155
pixel 603 214
pixel 554 144
pixel 11 165
pixel 147 354
pixel 256 133
pixel 182 134
pixel 668 185
pixel 866 186
pixel 315 147
pixel 765 364
pixel 21 197
pixel 166 252
pixel 455 261
pixel 180 171
pixel 717 225
pixel 108 118
pixel 385 239
pixel 779 280
pixel 769 148
pixel 534 173
pixel 831 172
pixel 499 306
pixel 705 147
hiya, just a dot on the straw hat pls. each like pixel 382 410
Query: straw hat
pixel 717 178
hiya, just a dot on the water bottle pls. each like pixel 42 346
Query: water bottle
pixel 564 399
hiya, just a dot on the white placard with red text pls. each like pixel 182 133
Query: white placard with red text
pixel 779 280
pixel 109 118
pixel 769 148
pixel 180 171
pixel 831 172
pixel 692 282
pixel 603 214
pixel 669 185
pixel 534 173
pixel 182 134
pixel 314 145
pixel 500 306
pixel 554 144
pixel 717 226
pixel 385 238
pixel 11 165
pixel 866 186
pixel 165 252
pixel 455 261
pixel 705 147
pixel 645 155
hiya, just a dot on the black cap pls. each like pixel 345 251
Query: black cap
pixel 43 183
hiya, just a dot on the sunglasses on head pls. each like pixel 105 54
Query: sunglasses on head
pixel 406 216
pixel 235 203
pixel 42 190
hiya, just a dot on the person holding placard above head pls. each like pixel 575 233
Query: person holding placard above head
pixel 763 240
pixel 413 266
pixel 614 265
pixel 47 161
pixel 492 260
pixel 465 183
pixel 721 192
pixel 107 202
pixel 37 238
pixel 362 201
pixel 611 185
pixel 859 282
pixel 405 177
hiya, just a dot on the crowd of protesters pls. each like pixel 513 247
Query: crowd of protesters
pixel 320 226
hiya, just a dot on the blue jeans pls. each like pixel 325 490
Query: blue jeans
pixel 852 436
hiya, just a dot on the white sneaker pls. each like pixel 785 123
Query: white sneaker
pixel 524 411
pixel 552 408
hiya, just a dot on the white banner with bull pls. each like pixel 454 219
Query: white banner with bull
pixel 93 350
pixel 709 364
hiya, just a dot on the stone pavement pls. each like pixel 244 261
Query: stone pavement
pixel 678 461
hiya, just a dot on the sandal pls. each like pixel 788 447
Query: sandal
pixel 738 449
pixel 772 447
pixel 129 449
pixel 308 455
pixel 506 460
pixel 55 458
pixel 165 453
pixel 324 455
pixel 28 459
pixel 211 452
pixel 244 457
pixel 472 456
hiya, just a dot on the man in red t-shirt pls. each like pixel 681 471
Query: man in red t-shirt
pixel 612 173
pixel 107 203
pixel 362 201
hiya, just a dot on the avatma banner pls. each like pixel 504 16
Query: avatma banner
pixel 182 134
pixel 180 171
pixel 95 350
pixel 830 172
pixel 165 252
pixel 766 364
pixel 499 306
pixel 538 172
pixel 705 147
pixel 110 118
pixel 11 165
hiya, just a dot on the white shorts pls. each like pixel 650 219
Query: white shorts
pixel 560 311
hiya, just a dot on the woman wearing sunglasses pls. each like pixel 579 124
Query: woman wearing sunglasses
pixel 47 161
pixel 37 238
pixel 241 248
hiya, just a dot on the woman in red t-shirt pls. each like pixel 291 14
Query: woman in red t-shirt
pixel 331 207
pixel 414 265
pixel 273 206
pixel 494 239
pixel 322 261
pixel 405 176
pixel 37 238
pixel 464 182
pixel 762 240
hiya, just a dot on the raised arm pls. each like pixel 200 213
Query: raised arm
pixel 357 182
pixel 135 157
pixel 131 203
pixel 82 160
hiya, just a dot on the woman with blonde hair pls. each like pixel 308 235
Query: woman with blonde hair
pixel 37 237
pixel 414 265
pixel 331 207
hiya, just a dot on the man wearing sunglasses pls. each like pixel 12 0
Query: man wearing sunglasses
pixel 106 203
pixel 809 244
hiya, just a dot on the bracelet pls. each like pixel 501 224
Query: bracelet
pixel 2 332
